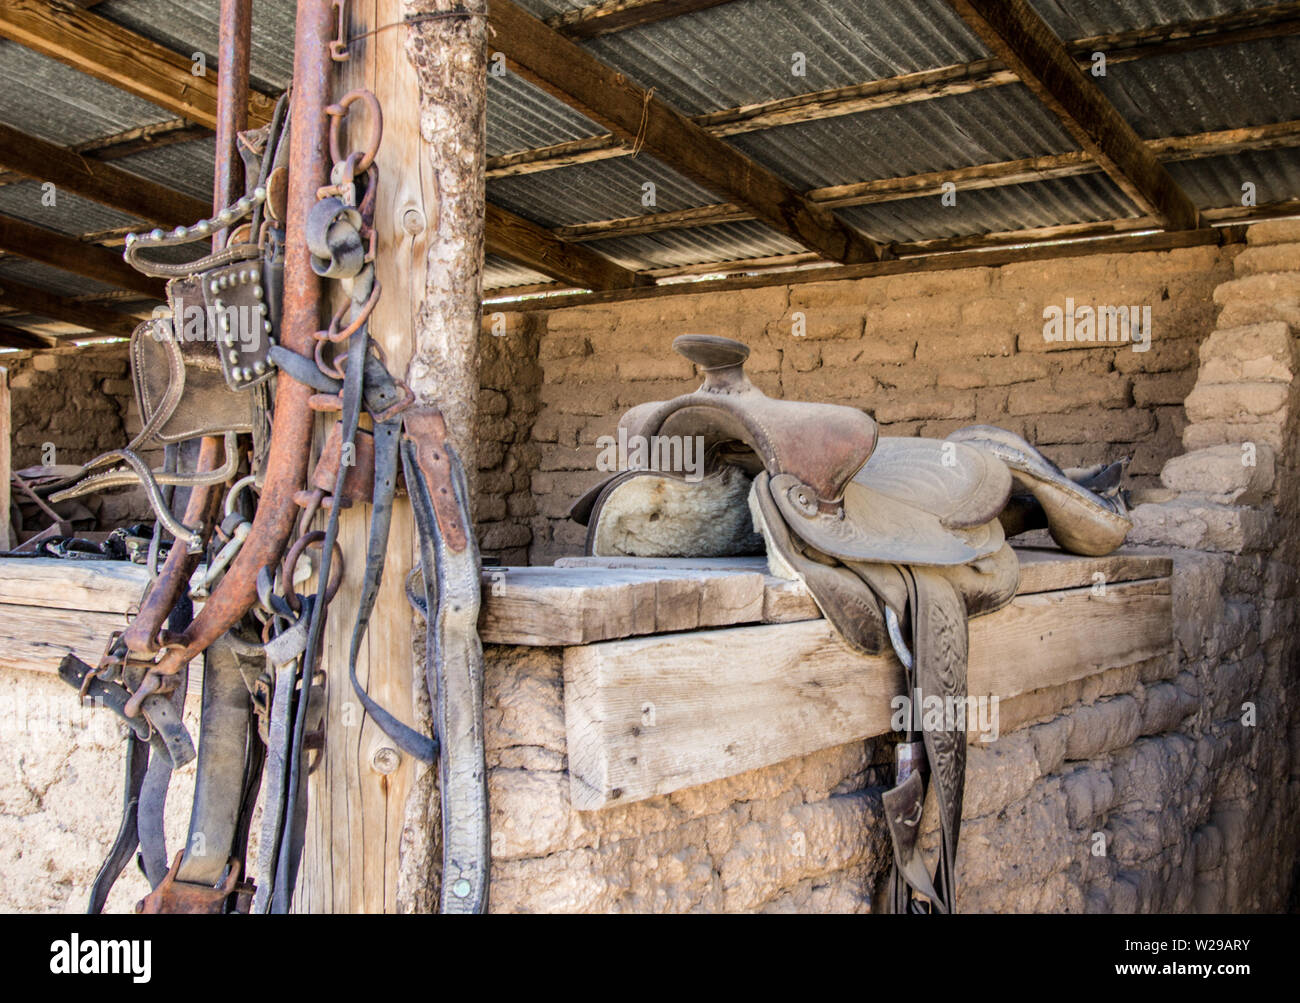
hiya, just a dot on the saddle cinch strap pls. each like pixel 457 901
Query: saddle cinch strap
pixel 898 540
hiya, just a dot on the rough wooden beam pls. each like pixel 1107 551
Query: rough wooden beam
pixel 16 337
pixel 653 715
pixel 127 142
pixel 525 243
pixel 1042 250
pixel 121 57
pixel 542 56
pixel 1280 135
pixel 144 137
pixel 28 300
pixel 619 15
pixel 1016 34
pixel 72 255
pixel 1275 21
pixel 102 183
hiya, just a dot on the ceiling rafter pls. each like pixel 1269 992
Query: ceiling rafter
pixel 126 59
pixel 24 299
pixel 525 243
pixel 1016 34
pixel 57 250
pixel 544 57
pixel 1280 135
pixel 610 16
pixel 1275 21
pixel 103 183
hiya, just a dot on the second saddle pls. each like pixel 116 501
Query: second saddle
pixel 898 540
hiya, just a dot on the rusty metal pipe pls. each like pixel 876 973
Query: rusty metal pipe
pixel 286 471
pixel 232 105
pixel 201 510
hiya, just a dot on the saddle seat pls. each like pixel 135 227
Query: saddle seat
pixel 898 540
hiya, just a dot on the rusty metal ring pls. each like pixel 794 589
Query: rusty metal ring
pixel 328 368
pixel 296 551
pixel 336 112
pixel 366 310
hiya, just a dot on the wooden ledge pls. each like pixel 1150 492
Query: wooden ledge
pixel 582 600
pixel 652 715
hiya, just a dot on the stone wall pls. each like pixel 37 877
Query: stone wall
pixel 84 404
pixel 926 353
pixel 1107 789
pixel 1230 501
pixel 79 402
pixel 61 797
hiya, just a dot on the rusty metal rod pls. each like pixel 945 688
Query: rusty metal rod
pixel 232 105
pixel 142 637
pixel 286 471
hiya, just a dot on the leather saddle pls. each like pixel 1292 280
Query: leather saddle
pixel 898 540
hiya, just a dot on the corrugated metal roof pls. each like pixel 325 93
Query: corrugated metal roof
pixel 743 52
pixel 498 273
pixel 51 280
pixel 189 26
pixel 675 248
pixel 939 135
pixel 1228 87
pixel 1085 18
pixel 1217 182
pixel 1082 199
pixel 70 213
pixel 43 98
pixel 522 117
pixel 604 189
pixel 185 166
pixel 732 54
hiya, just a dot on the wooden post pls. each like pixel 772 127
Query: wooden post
pixel 6 434
pixel 372 842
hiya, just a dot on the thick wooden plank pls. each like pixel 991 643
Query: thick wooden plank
pixel 57 250
pixel 525 243
pixel 1274 21
pixel 111 186
pixel 784 601
pixel 1016 34
pixel 561 606
pixel 6 456
pixel 121 57
pixel 654 715
pixel 95 586
pixel 1042 249
pixel 128 142
pixel 544 57
pixel 610 16
pixel 36 639
pixel 14 337
pixel 27 299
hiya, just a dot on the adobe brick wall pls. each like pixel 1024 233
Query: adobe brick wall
pixel 84 404
pixel 926 353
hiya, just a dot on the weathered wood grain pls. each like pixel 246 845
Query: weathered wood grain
pixel 652 715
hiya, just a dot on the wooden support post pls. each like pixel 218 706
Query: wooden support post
pixel 6 438
pixel 371 840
